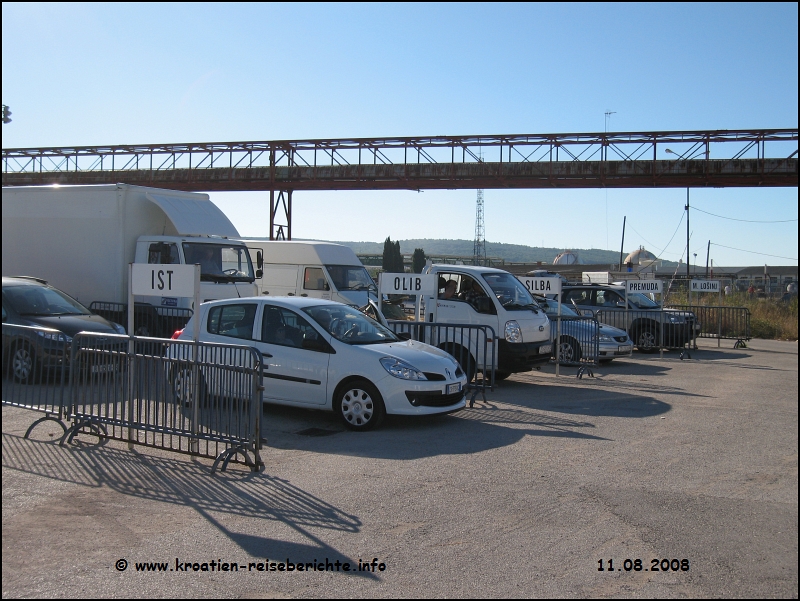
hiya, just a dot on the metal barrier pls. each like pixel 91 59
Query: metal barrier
pixel 473 346
pixel 148 320
pixel 654 330
pixel 201 399
pixel 35 370
pixel 578 342
pixel 730 323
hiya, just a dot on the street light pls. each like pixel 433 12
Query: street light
pixel 688 275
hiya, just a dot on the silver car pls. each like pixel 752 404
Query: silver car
pixel 579 336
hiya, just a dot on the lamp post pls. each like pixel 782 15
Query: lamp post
pixel 688 274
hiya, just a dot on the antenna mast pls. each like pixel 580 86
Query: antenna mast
pixel 479 248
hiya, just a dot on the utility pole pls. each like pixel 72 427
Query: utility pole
pixel 688 271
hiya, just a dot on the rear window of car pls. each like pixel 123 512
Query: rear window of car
pixel 235 321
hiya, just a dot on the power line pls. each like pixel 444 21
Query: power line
pixel 744 220
pixel 754 252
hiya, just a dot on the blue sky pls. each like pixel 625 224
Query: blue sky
pixel 81 74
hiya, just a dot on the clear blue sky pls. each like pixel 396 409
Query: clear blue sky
pixel 83 74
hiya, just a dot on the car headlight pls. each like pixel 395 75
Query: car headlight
pixel 401 369
pixel 118 328
pixel 513 332
pixel 54 336
pixel 676 319
pixel 602 338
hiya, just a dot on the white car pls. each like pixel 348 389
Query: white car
pixel 323 354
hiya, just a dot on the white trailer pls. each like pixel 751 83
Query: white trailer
pixel 82 238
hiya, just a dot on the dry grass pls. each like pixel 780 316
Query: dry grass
pixel 769 318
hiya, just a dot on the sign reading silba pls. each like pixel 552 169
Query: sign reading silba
pixel 542 285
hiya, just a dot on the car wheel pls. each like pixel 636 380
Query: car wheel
pixel 569 350
pixel 465 359
pixel 647 340
pixel 499 376
pixel 23 364
pixel 182 381
pixel 359 405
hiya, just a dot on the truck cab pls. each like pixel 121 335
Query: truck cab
pixel 487 296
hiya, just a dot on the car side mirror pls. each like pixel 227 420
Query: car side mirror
pixel 260 260
pixel 259 273
pixel 404 335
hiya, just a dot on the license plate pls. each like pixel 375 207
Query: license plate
pixel 625 348
pixel 102 369
pixel 454 388
pixel 545 349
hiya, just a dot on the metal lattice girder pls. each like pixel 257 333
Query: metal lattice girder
pixel 592 160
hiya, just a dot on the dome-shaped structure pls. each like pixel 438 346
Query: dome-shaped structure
pixel 642 260
pixel 567 258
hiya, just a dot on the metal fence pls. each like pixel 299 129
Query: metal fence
pixel 148 320
pixel 653 330
pixel 35 371
pixel 473 346
pixel 578 342
pixel 202 399
pixel 731 323
pixel 197 398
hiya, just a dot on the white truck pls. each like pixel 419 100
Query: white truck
pixel 491 297
pixel 314 269
pixel 82 238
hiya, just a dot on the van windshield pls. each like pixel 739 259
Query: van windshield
pixel 350 277
pixel 510 292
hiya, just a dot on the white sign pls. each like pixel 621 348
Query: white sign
pixel 644 286
pixel 407 283
pixel 162 280
pixel 595 277
pixel 542 286
pixel 705 286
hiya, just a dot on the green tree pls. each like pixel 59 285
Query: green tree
pixel 392 259
pixel 418 260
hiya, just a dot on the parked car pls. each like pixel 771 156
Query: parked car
pixel 645 321
pixel 29 354
pixel 578 337
pixel 322 354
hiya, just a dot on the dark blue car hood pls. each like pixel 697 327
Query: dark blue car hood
pixel 72 324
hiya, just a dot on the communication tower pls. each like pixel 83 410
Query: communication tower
pixel 479 248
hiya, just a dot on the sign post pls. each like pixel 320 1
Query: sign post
pixel 710 286
pixel 543 287
pixel 648 286
pixel 408 284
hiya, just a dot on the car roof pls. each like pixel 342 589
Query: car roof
pixel 280 301
pixel 23 280
pixel 469 268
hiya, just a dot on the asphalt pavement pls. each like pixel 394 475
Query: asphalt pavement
pixel 677 477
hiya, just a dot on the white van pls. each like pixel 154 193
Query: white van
pixel 313 269
pixel 487 296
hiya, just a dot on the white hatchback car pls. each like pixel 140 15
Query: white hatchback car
pixel 326 355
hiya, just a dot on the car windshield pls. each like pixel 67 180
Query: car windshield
pixel 349 325
pixel 640 301
pixel 550 307
pixel 511 293
pixel 219 262
pixel 350 277
pixel 42 301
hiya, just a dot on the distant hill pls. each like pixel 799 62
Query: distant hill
pixel 513 253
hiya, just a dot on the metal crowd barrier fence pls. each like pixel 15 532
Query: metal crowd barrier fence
pixel 730 323
pixel 578 343
pixel 201 399
pixel 473 346
pixel 148 320
pixel 35 371
pixel 653 330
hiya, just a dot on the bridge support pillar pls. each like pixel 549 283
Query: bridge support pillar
pixel 280 215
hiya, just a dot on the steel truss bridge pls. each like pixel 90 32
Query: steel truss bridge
pixel 677 159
